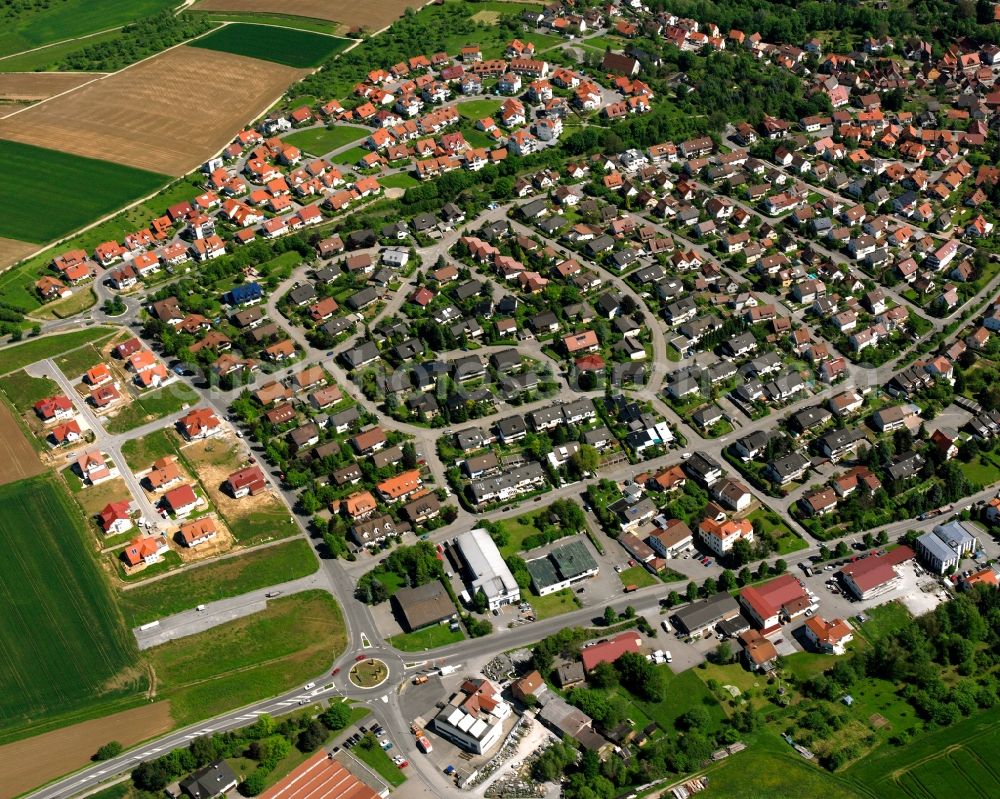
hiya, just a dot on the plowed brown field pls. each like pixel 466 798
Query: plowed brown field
pixel 12 250
pixel 39 85
pixel 371 14
pixel 18 460
pixel 167 114
pixel 35 761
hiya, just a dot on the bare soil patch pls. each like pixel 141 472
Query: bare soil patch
pixel 216 459
pixel 34 761
pixel 371 14
pixel 12 250
pixel 222 543
pixel 145 117
pixel 29 86
pixel 18 459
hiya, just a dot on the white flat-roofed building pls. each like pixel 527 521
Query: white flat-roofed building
pixel 486 569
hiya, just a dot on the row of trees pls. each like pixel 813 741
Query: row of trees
pixel 139 40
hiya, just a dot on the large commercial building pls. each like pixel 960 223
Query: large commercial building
pixel 423 606
pixel 701 617
pixel 877 575
pixel 485 569
pixel 322 776
pixel 944 547
pixel 473 719
pixel 562 567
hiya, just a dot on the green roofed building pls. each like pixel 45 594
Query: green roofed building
pixel 562 567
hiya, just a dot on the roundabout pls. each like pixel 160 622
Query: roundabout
pixel 369 673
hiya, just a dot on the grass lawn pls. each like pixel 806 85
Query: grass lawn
pixel 517 528
pixel 320 141
pixel 770 523
pixel 555 604
pixel 380 762
pixel 151 406
pixel 474 110
pixel 67 653
pixel 78 302
pixel 302 23
pixel 75 362
pixel 87 189
pixel 399 180
pixel 984 469
pixel 253 657
pixel 882 621
pixel 637 576
pixel 288 46
pixel 218 580
pixel 771 769
pixel 24 391
pixel 684 691
pixel 141 452
pixel 42 23
pixel 350 157
pixel 427 638
pixel 38 349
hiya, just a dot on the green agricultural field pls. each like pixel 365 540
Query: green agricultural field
pixel 293 48
pixel 957 761
pixel 252 658
pixel 427 638
pixel 38 349
pixel 65 649
pixel 47 58
pixel 771 769
pixel 151 406
pixel 87 189
pixel 218 580
pixel 41 24
pixel 320 141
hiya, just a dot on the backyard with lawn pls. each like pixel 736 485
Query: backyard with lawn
pixel 427 638
pixel 320 141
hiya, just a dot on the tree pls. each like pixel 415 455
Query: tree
pixel 842 550
pixel 610 616
pixel 203 749
pixel 253 784
pixel 727 580
pixel 603 675
pixel 780 566
pixel 585 460
pixel 151 776
pixel 694 719
pixel 109 750
pixel 480 601
pixel 337 716
pixel 724 653
pixel 312 737
pixel 741 553
pixel 744 576
pixel 691 592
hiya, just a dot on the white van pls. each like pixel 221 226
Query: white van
pixel 670 658
pixel 200 607
pixel 665 625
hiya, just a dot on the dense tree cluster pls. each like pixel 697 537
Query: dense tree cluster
pixel 412 565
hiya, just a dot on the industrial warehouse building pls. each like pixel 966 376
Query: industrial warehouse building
pixel 485 569
pixel 562 567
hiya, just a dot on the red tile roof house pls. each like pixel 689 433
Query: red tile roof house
pixel 115 518
pixel 145 550
pixel 198 532
pixel 609 651
pixel 66 433
pixel 777 600
pixel 876 575
pixel 54 409
pixel 200 423
pixel 92 468
pixel 181 501
pixel 248 481
pixel 369 441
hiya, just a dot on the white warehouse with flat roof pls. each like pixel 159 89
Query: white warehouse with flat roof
pixel 486 569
